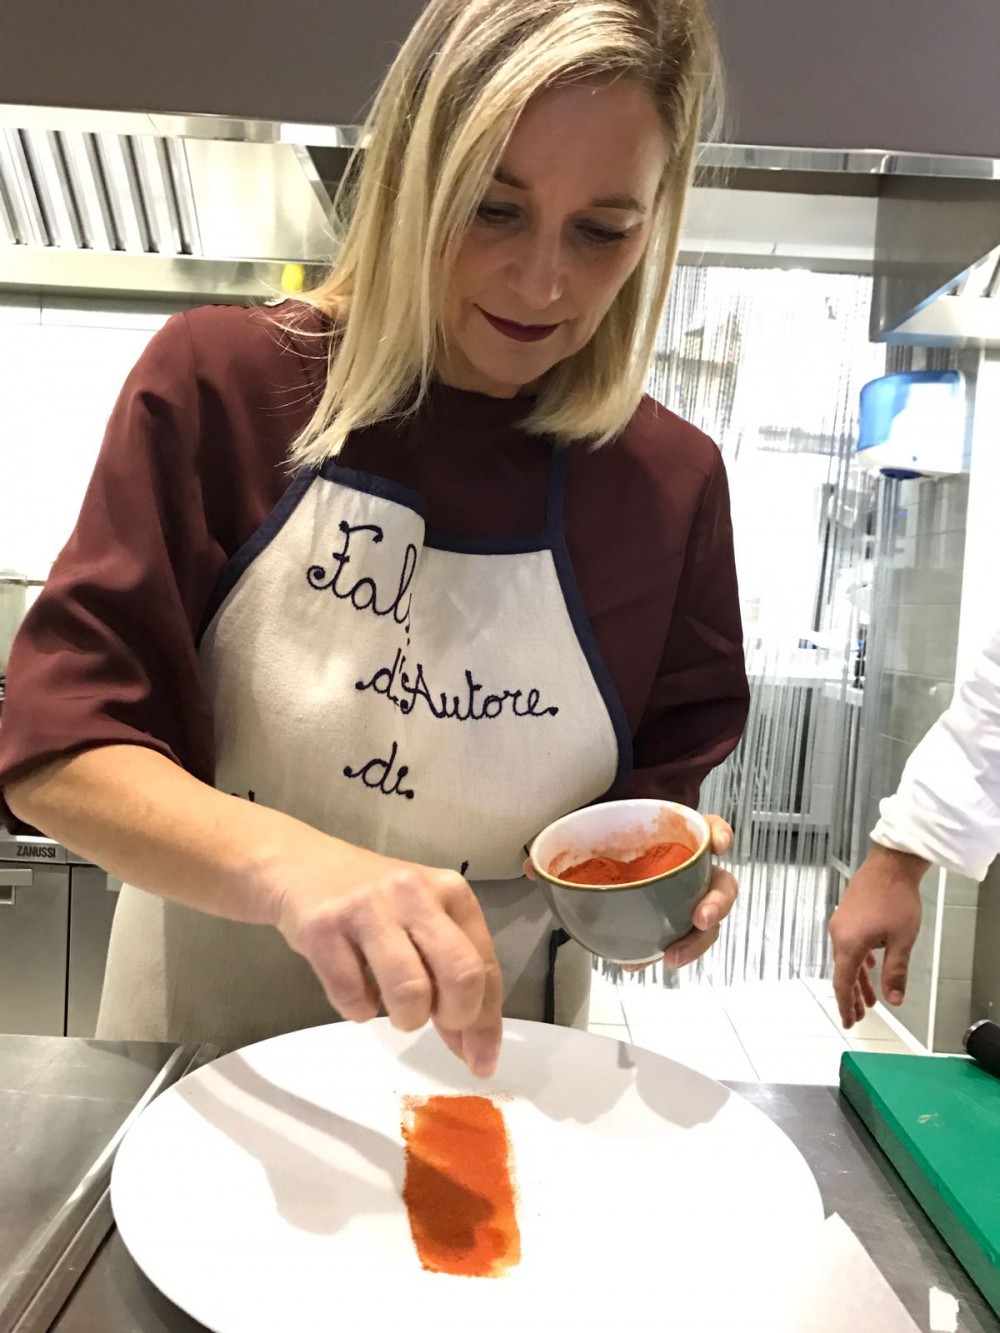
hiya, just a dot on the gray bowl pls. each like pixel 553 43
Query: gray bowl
pixel 625 923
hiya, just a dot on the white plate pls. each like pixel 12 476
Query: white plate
pixel 262 1194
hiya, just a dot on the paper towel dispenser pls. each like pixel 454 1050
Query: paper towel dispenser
pixel 914 424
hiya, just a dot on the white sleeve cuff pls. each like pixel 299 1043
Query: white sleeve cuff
pixel 947 806
pixel 898 830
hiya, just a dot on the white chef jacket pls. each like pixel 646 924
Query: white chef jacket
pixel 947 806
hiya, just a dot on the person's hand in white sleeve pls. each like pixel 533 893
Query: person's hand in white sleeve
pixel 946 812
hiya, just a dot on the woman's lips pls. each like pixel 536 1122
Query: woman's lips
pixel 522 333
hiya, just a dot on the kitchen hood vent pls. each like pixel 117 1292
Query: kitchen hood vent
pixel 107 192
pixel 189 207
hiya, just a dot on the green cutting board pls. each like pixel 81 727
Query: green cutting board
pixel 938 1122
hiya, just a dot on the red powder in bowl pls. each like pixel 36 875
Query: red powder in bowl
pixel 602 871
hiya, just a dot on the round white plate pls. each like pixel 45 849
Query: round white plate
pixel 262 1194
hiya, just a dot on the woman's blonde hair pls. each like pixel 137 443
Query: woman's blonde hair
pixel 435 136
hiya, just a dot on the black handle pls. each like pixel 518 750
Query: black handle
pixel 982 1041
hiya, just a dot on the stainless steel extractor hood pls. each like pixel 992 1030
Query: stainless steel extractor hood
pixel 181 206
pixel 202 207
pixel 937 261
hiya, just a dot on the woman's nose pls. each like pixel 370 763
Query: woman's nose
pixel 537 273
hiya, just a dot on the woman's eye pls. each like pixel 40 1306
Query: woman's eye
pixel 597 235
pixel 496 214
pixel 499 215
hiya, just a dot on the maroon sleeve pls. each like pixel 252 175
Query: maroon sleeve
pixel 193 460
pixel 698 706
pixel 107 653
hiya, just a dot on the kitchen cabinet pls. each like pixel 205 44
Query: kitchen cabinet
pixel 55 924
pixel 92 904
pixel 34 914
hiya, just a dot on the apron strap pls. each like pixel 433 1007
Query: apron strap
pixel 556 941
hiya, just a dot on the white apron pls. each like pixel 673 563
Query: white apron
pixel 433 698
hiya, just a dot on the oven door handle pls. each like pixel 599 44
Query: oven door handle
pixel 10 882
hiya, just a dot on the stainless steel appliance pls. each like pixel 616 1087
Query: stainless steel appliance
pixel 55 922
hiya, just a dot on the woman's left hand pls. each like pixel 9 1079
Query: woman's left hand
pixel 716 905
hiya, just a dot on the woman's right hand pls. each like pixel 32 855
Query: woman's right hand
pixel 377 931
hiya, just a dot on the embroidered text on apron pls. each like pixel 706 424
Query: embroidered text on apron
pixel 433 698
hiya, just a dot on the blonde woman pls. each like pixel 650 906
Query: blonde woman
pixel 366 589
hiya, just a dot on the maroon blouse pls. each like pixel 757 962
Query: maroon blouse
pixel 195 458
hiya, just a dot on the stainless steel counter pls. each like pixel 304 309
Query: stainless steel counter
pixel 64 1105
pixel 61 1100
pixel 859 1182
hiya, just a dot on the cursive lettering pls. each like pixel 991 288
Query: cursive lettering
pixel 405 689
pixel 363 592
pixel 382 775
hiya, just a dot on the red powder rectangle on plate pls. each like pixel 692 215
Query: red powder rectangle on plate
pixel 459 1189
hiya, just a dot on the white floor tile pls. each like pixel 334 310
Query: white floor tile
pixel 780 1032
pixel 724 1061
pixel 822 988
pixel 898 1031
pixel 688 1025
pixel 871 1028
pixel 725 1066
pixel 798 1060
pixel 605 1002
pixel 894 1047
pixel 768 1012
pixel 692 1026
pixel 698 1009
pixel 653 992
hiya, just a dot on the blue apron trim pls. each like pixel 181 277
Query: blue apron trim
pixel 582 626
pixel 254 546
pixel 556 941
pixel 370 484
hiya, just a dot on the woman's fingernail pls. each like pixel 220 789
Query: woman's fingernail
pixel 483 1060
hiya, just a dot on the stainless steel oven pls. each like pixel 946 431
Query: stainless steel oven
pixel 55 922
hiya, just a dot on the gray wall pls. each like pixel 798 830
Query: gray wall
pixel 913 75
pixel 311 60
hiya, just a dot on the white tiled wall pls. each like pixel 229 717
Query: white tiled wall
pixel 62 365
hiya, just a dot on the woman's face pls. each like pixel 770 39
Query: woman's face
pixel 561 227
